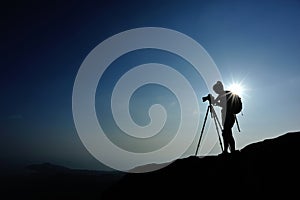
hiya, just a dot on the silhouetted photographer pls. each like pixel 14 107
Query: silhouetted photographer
pixel 231 105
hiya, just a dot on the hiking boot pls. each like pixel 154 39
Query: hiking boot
pixel 224 153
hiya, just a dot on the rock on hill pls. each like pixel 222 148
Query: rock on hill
pixel 264 169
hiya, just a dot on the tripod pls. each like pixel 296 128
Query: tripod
pixel 217 122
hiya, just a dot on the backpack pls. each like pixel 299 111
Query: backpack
pixel 234 103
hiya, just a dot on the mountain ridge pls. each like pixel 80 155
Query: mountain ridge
pixel 265 168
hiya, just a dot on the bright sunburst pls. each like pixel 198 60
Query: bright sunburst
pixel 237 88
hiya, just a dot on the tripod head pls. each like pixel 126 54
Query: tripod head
pixel 210 98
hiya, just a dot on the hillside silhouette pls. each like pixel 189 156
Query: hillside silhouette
pixel 48 181
pixel 263 169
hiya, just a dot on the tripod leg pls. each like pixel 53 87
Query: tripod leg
pixel 216 117
pixel 202 130
pixel 217 122
pixel 220 141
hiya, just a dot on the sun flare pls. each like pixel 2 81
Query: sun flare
pixel 237 88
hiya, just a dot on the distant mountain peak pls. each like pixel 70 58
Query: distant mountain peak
pixel 47 168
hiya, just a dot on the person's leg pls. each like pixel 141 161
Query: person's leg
pixel 231 141
pixel 227 133
pixel 225 140
pixel 224 133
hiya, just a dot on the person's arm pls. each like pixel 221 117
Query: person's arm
pixel 217 101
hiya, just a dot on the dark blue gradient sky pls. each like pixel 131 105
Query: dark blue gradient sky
pixel 43 44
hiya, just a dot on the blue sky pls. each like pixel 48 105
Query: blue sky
pixel 44 44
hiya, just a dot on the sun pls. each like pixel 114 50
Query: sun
pixel 237 88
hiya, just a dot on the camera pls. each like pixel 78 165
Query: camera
pixel 209 98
